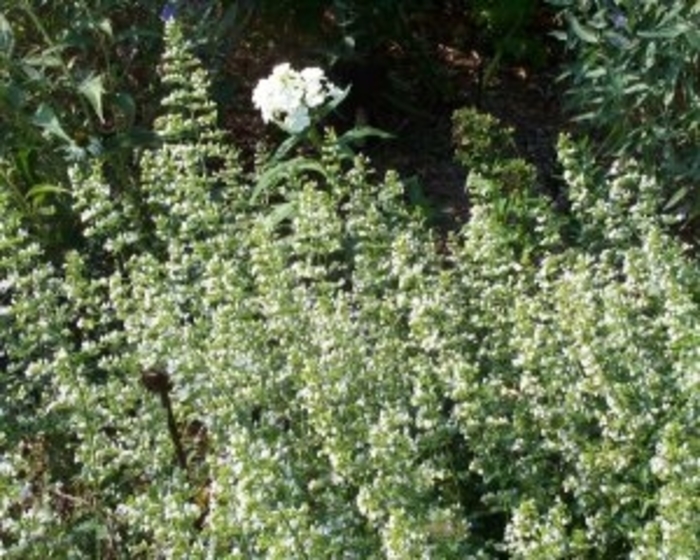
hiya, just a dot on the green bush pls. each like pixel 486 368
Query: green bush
pixel 76 83
pixel 73 85
pixel 634 81
pixel 217 383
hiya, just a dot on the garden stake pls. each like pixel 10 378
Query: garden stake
pixel 159 382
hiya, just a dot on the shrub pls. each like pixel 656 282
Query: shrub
pixel 73 85
pixel 634 82
pixel 217 383
pixel 76 83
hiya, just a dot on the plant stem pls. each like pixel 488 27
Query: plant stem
pixel 315 138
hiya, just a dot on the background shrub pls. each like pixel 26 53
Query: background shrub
pixel 634 82
pixel 76 83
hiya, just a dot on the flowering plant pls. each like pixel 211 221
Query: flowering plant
pixel 289 97
pixel 296 100
pixel 207 385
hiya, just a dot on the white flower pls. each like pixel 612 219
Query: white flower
pixel 281 93
pixel 315 93
pixel 287 97
pixel 297 120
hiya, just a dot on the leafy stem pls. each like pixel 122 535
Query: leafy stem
pixel 65 70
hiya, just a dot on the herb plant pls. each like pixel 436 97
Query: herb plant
pixel 342 383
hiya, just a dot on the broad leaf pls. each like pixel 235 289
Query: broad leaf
pixel 46 118
pixel 93 89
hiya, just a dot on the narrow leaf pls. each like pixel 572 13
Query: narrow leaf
pixel 636 88
pixel 679 196
pixel 586 34
pixel 360 133
pixel 41 190
pixel 46 59
pixel 284 170
pixel 338 100
pixel 7 38
pixel 280 213
pixel 670 32
pixel 285 147
pixel 105 26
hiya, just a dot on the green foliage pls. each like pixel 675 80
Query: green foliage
pixel 504 26
pixel 503 181
pixel 218 384
pixel 72 87
pixel 76 84
pixel 634 81
pixel 480 140
pixel 66 69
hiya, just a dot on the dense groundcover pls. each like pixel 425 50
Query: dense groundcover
pixel 308 370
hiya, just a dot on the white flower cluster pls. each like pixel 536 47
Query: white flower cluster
pixel 288 97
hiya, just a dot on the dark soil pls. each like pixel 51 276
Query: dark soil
pixel 414 105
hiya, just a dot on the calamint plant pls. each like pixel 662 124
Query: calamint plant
pixel 198 381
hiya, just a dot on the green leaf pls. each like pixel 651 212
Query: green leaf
pixel 284 148
pixel 281 171
pixel 106 27
pixel 133 138
pixel 330 107
pixel 41 190
pixel 7 38
pixel 693 38
pixel 48 58
pixel 12 95
pixel 356 138
pixel 338 100
pixel 679 196
pixel 636 88
pixel 360 133
pixel 583 32
pixel 126 105
pixel 670 32
pixel 46 118
pixel 280 213
pixel 589 116
pixel 93 89
pixel 595 73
